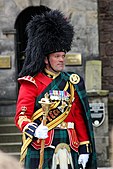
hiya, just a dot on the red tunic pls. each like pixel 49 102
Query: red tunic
pixel 28 92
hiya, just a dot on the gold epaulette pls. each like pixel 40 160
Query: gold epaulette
pixel 29 79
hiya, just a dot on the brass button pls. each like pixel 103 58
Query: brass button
pixel 38 141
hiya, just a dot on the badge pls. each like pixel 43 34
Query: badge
pixel 97 113
pixel 23 110
pixel 74 79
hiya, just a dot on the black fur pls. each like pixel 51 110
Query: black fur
pixel 47 33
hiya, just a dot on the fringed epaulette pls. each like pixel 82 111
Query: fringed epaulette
pixel 27 78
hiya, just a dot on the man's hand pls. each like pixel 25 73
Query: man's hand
pixel 41 132
pixel 83 159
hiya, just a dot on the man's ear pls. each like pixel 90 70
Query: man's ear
pixel 46 60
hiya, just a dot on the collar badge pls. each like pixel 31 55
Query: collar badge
pixel 74 79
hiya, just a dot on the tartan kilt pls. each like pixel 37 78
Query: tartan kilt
pixel 33 155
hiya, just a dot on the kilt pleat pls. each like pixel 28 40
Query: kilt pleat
pixel 33 155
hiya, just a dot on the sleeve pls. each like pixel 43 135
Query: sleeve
pixel 25 106
pixel 80 125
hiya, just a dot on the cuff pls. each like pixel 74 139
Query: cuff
pixel 29 129
pixel 85 147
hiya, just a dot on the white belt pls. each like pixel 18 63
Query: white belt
pixel 66 125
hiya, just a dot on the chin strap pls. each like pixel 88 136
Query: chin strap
pixel 50 64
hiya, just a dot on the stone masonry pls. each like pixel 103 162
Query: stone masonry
pixel 93 25
pixel 105 15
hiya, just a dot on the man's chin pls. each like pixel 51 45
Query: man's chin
pixel 59 70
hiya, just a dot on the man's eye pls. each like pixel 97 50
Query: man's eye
pixel 56 56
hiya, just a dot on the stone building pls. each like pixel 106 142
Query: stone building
pixel 93 40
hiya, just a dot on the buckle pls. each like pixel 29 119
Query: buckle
pixel 66 125
pixel 63 125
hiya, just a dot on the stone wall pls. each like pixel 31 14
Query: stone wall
pixel 83 15
pixel 99 116
pixel 105 15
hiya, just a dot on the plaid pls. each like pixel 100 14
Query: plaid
pixel 32 157
pixel 57 84
pixel 80 88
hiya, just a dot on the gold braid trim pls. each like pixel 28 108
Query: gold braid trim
pixel 51 74
pixel 88 146
pixel 84 142
pixel 39 112
pixel 59 119
pixel 23 119
pixel 50 125
pixel 72 89
pixel 24 148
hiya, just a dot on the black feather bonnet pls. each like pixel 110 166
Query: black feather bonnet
pixel 47 33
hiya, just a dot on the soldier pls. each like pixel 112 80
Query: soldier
pixel 68 134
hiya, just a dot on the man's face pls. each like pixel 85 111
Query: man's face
pixel 56 61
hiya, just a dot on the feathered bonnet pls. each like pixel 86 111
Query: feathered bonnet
pixel 47 33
